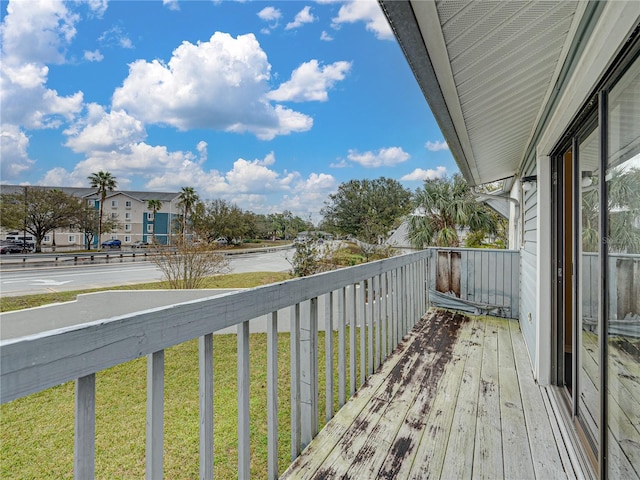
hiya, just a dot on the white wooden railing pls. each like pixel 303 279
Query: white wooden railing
pixel 384 299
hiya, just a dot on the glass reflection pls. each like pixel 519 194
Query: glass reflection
pixel 623 246
pixel 589 356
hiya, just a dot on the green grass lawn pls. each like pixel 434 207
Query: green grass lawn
pixel 36 432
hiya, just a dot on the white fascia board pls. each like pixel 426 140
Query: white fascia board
pixel 429 23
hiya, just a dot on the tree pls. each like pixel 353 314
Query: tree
pixel 154 206
pixel 104 182
pixel 87 221
pixel 38 211
pixel 445 207
pixel 188 198
pixel 221 219
pixel 623 208
pixel 366 209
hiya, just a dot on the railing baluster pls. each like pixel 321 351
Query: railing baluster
pixel 205 361
pixel 351 311
pixel 385 314
pixel 370 316
pixel 342 347
pixel 377 319
pixel 155 414
pixel 308 371
pixel 244 460
pixel 85 428
pixel 394 308
pixel 272 396
pixel 295 379
pixel 328 354
pixel 362 320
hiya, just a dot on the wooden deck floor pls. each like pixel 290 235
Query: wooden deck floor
pixel 456 400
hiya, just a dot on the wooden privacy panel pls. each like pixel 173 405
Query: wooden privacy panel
pixel 476 281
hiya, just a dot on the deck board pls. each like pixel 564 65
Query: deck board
pixel 447 404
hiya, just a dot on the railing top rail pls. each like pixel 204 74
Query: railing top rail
pixel 34 363
pixel 475 250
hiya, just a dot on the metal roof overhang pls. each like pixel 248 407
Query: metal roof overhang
pixel 488 70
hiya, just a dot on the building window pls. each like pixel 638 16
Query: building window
pixel 114 203
pixel 150 216
pixel 72 239
pixel 150 228
pixel 127 227
pixel 91 203
pixel 127 238
pixel 114 215
pixel 127 216
pixel 46 239
pixel 127 204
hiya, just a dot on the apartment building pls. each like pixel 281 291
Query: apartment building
pixel 134 220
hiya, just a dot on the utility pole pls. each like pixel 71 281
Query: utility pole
pixel 24 225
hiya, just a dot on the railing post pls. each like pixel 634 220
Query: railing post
pixel 244 460
pixel 272 396
pixel 295 379
pixel 328 354
pixel 205 360
pixel 155 414
pixel 85 428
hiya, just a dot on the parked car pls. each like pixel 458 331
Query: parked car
pixel 113 243
pixel 10 247
pixel 221 241
pixel 140 244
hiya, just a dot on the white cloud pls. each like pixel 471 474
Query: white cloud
pixel 341 164
pixel 219 84
pixel 98 7
pixel 420 175
pixel 308 195
pixel 270 14
pixel 37 32
pixel 436 146
pixel 13 150
pixel 367 11
pixel 310 82
pixel 171 4
pixel 325 37
pixel 302 17
pixel 115 37
pixel 102 132
pixel 94 56
pixel 27 102
pixel 33 34
pixel 385 157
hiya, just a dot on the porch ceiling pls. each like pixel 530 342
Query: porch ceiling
pixel 487 70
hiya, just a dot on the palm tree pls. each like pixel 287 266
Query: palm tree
pixel 443 207
pixel 104 182
pixel 154 206
pixel 188 198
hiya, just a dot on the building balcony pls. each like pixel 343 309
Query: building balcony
pixel 433 394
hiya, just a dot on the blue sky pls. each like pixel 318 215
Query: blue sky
pixel 270 105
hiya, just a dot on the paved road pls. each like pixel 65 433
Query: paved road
pixel 24 281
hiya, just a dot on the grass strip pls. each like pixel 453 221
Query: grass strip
pixel 36 432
